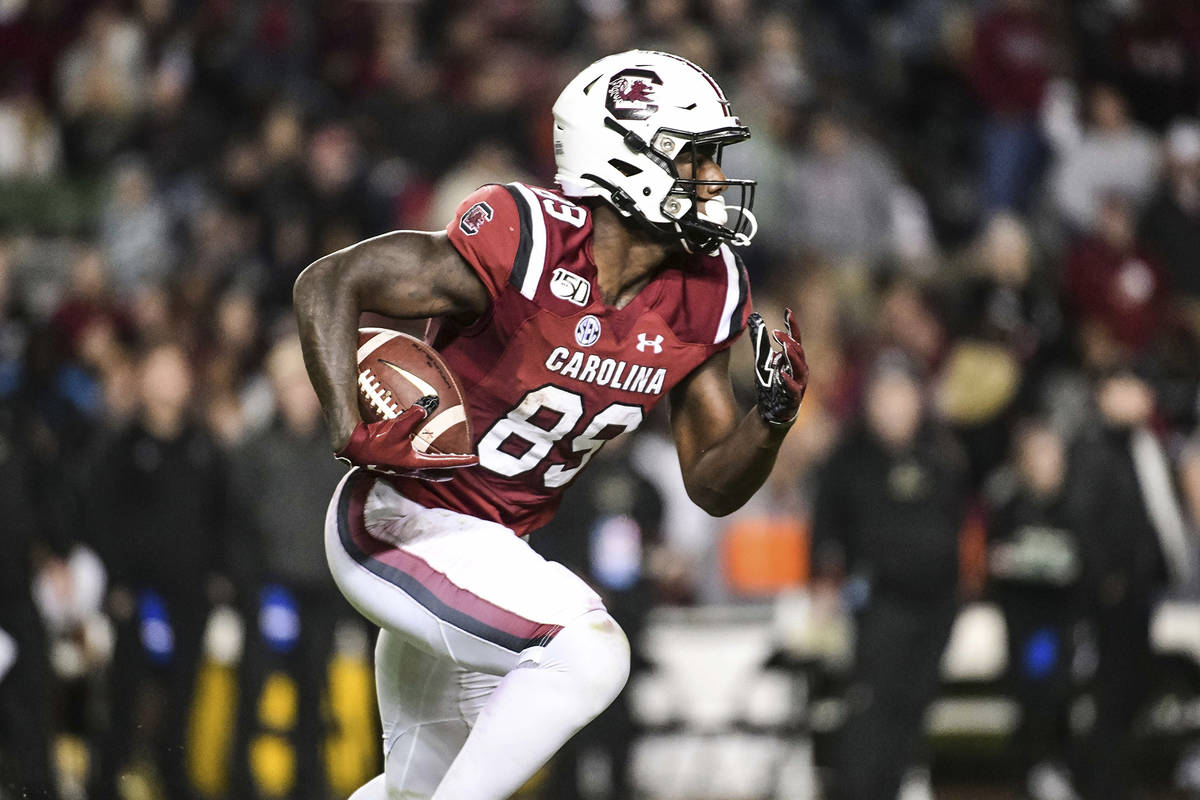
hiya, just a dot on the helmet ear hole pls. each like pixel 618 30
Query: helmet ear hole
pixel 624 167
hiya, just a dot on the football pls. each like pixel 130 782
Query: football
pixel 394 371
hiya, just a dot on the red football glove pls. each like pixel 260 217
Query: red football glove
pixel 387 446
pixel 781 376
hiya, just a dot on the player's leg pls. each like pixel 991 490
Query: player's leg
pixel 408 573
pixel 374 789
pixel 539 705
pixel 427 706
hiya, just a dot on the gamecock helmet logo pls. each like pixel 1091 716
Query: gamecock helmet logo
pixel 475 218
pixel 631 94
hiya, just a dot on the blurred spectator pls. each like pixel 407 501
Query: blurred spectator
pixel 1112 155
pixel 157 515
pixel 104 72
pixel 689 534
pixel 744 33
pixel 34 37
pixel 279 481
pixel 489 162
pixel 183 125
pixel 839 195
pixel 908 321
pixel 222 249
pixel 102 85
pixel 1170 226
pixel 1011 61
pixel 1035 567
pixel 769 94
pixel 235 399
pixel 134 230
pixel 87 302
pixel 96 333
pixel 14 329
pixel 890 504
pixel 274 43
pixel 834 374
pixel 1007 299
pixel 1156 59
pixel 1007 329
pixel 1116 292
pixel 25 710
pixel 1121 502
pixel 30 142
pixel 335 187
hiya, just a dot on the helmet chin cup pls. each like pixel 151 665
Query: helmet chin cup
pixel 705 224
pixel 717 212
pixel 714 211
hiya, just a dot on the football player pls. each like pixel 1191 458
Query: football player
pixel 567 314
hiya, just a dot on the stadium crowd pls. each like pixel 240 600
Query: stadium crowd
pixel 997 203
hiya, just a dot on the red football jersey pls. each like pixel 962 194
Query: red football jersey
pixel 550 373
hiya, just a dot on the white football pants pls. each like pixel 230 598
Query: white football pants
pixel 489 657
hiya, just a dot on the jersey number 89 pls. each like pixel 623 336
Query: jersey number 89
pixel 558 411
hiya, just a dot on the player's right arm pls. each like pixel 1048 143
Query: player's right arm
pixel 403 274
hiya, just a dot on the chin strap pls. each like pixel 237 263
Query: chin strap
pixel 626 205
pixel 620 198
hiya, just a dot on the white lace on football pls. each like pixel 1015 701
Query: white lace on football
pixel 379 398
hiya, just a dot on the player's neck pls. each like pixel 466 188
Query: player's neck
pixel 626 259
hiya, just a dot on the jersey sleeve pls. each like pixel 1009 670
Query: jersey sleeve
pixel 487 230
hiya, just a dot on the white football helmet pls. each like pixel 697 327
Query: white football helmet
pixel 619 126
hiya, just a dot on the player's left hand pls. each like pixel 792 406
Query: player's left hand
pixel 387 446
pixel 780 376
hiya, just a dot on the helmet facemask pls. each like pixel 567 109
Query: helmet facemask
pixel 698 231
pixel 705 230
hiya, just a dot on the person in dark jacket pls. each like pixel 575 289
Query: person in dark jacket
pixel 25 678
pixel 1170 224
pixel 891 501
pixel 1034 567
pixel 157 517
pixel 1123 504
pixel 280 479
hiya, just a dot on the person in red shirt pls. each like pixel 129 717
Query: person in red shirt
pixel 1117 291
pixel 1008 70
pixel 567 314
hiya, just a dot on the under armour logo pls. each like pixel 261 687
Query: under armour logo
pixel 644 342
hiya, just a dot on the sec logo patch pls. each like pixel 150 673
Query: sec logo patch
pixel 587 331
